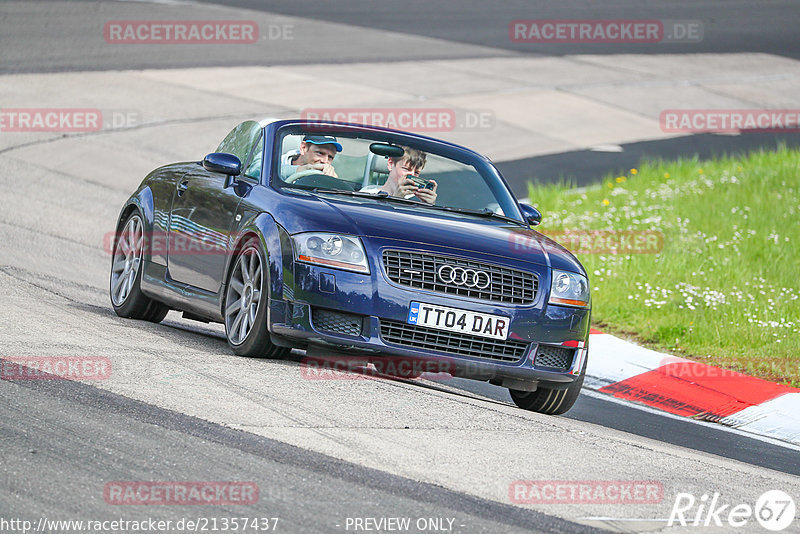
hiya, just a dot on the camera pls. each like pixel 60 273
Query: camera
pixel 420 182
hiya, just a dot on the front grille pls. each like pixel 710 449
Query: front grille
pixel 417 270
pixel 421 337
pixel 336 322
pixel 553 357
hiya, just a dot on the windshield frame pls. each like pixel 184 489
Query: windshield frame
pixel 494 180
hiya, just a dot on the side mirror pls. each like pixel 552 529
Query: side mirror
pixel 223 163
pixel 532 215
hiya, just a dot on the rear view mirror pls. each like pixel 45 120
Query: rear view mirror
pixel 532 215
pixel 223 163
pixel 387 150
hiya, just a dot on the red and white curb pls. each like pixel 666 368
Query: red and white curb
pixel 692 389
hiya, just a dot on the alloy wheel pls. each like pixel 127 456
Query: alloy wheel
pixel 127 260
pixel 243 295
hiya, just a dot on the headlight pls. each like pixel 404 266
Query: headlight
pixel 569 289
pixel 331 250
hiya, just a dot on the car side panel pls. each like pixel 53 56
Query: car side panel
pixel 161 183
pixel 200 222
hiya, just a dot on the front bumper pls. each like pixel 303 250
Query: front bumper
pixel 380 310
pixel 369 344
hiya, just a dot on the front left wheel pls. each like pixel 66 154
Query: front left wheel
pixel 126 275
pixel 550 401
pixel 246 305
pixel 547 400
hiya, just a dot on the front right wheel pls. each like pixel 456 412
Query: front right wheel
pixel 246 305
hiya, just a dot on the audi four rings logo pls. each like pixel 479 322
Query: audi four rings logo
pixel 460 276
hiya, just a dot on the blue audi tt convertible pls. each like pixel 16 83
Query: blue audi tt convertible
pixel 363 242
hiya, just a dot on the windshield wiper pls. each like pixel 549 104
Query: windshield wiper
pixel 383 195
pixel 379 195
pixel 485 212
pixel 333 191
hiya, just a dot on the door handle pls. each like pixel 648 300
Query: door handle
pixel 182 186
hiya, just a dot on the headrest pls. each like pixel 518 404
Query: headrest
pixel 379 164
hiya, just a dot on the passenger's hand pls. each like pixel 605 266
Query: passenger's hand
pixel 427 195
pixel 406 188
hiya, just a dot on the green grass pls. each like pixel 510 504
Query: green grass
pixel 724 288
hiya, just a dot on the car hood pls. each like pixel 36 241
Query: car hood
pixel 420 226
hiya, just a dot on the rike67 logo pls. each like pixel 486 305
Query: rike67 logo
pixel 774 510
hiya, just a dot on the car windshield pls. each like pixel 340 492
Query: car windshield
pixel 362 168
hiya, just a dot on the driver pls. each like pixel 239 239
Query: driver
pixel 399 185
pixel 316 152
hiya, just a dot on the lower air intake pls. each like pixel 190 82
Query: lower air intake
pixel 335 322
pixel 553 357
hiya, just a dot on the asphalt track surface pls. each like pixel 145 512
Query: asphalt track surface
pixel 675 430
pixel 586 167
pixel 62 441
pixel 729 26
pixel 68 438
pixel 65 37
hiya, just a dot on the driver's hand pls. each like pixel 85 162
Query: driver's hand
pixel 324 168
pixel 427 195
pixel 327 169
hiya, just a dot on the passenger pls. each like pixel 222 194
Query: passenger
pixel 399 185
pixel 316 152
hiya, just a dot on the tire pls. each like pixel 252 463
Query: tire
pixel 550 401
pixel 245 306
pixel 126 275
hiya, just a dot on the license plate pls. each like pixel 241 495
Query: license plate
pixel 456 320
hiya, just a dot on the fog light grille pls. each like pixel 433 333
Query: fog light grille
pixel 346 324
pixel 553 357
